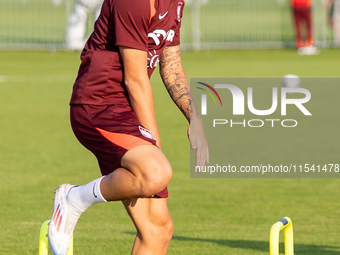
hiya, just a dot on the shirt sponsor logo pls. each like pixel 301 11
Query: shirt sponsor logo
pixel 146 133
pixel 153 60
pixel 159 34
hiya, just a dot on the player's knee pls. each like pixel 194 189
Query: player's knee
pixel 161 175
pixel 156 179
pixel 168 230
pixel 161 233
pixel 164 233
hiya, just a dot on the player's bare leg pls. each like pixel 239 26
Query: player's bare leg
pixel 145 171
pixel 153 223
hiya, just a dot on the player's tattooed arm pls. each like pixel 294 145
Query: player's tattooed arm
pixel 176 82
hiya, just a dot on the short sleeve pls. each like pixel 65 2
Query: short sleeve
pixel 176 40
pixel 131 20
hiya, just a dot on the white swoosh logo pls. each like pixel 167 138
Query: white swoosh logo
pixel 162 16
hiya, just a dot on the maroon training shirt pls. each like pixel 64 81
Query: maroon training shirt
pixel 148 25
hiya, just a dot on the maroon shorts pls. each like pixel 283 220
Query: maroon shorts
pixel 109 131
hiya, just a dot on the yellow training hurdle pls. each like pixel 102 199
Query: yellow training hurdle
pixel 287 226
pixel 43 240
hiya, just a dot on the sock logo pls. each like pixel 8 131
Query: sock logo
pixel 94 186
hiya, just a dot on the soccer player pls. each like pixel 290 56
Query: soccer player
pixel 112 115
pixel 302 13
pixel 76 25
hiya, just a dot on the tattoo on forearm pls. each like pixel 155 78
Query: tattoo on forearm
pixel 192 108
pixel 176 82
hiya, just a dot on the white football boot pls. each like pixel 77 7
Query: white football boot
pixel 63 221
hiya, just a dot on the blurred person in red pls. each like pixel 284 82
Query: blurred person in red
pixel 302 13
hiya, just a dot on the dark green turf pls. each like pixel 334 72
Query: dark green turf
pixel 212 216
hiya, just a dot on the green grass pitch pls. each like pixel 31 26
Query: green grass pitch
pixel 38 152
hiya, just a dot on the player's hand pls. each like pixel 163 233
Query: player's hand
pixel 198 142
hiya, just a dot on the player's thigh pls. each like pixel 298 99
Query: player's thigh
pixel 151 217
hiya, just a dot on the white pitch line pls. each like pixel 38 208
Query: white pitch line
pixel 3 78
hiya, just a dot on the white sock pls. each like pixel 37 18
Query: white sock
pixel 82 197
